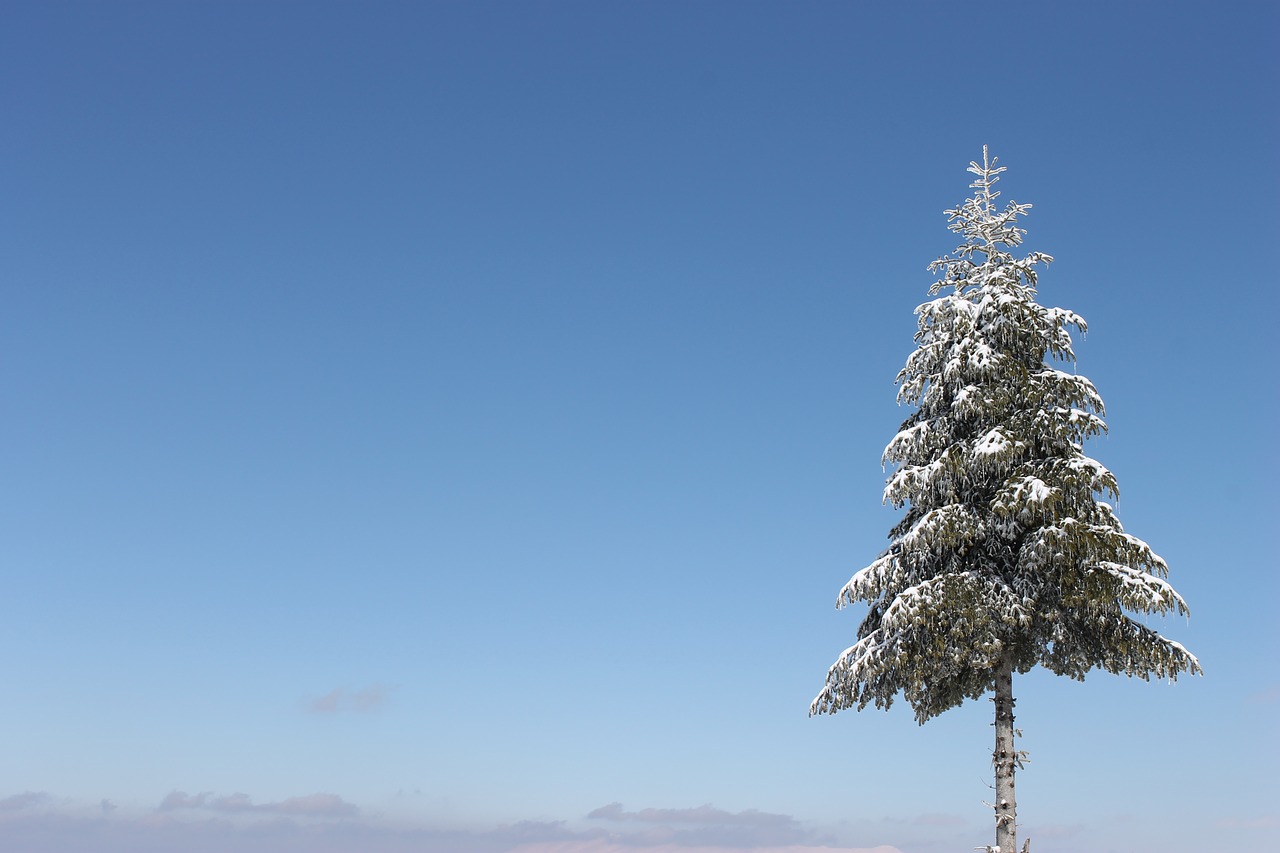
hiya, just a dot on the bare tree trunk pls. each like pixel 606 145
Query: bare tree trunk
pixel 1005 760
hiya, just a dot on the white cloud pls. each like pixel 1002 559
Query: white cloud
pixel 326 823
pixel 704 829
pixel 311 805
pixel 705 815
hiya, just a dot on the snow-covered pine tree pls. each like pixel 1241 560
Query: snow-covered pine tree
pixel 1007 556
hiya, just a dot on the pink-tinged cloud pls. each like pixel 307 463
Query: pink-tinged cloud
pixel 615 847
pixel 705 827
pixel 311 805
pixel 704 815
pixel 341 699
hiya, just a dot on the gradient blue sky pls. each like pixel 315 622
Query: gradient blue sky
pixel 446 426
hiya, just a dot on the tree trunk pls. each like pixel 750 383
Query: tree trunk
pixel 1005 760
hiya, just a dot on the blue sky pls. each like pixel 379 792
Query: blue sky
pixel 446 426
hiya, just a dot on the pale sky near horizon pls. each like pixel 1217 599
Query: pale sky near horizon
pixel 446 426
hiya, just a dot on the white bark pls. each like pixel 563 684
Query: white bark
pixel 1005 760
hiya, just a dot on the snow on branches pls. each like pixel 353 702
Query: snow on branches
pixel 1007 547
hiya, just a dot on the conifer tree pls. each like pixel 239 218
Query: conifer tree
pixel 1007 555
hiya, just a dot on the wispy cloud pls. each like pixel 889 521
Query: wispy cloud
pixel 1052 830
pixel 26 800
pixel 1266 696
pixel 1260 822
pixel 204 822
pixel 705 815
pixel 940 820
pixel 705 826
pixel 311 805
pixel 183 800
pixel 342 699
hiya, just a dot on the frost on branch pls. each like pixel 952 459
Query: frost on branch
pixel 1007 545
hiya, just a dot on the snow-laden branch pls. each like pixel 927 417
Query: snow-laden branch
pixel 1008 549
